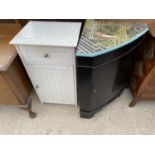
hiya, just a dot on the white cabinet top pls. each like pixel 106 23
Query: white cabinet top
pixel 49 34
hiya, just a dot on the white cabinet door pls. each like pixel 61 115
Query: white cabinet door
pixel 53 84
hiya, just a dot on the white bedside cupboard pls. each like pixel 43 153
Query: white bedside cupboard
pixel 47 50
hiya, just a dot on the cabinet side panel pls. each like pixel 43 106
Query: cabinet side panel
pixel 18 80
pixel 3 84
pixel 8 97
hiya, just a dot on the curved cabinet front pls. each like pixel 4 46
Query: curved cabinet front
pixel 101 79
pixel 105 56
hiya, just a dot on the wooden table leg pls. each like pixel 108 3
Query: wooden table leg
pixel 28 107
pixel 133 102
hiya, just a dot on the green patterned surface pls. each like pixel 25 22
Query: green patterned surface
pixel 100 35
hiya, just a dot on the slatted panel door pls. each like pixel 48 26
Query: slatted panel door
pixel 53 83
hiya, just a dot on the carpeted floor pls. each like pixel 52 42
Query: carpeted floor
pixel 115 118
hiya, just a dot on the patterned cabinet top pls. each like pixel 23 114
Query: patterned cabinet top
pixel 99 37
pixel 65 34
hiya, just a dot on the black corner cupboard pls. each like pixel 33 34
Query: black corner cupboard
pixel 102 78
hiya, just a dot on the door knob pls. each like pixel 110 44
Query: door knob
pixel 94 90
pixel 46 55
pixel 36 86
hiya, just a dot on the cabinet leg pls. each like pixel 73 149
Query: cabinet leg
pixel 133 102
pixel 28 108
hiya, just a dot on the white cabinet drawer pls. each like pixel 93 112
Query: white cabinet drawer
pixel 43 55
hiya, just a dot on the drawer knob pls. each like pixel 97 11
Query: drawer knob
pixel 46 55
pixel 37 86
pixel 94 90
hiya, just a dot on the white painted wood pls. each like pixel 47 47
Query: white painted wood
pixel 55 55
pixel 56 87
pixel 39 72
pixel 47 50
pixel 64 34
